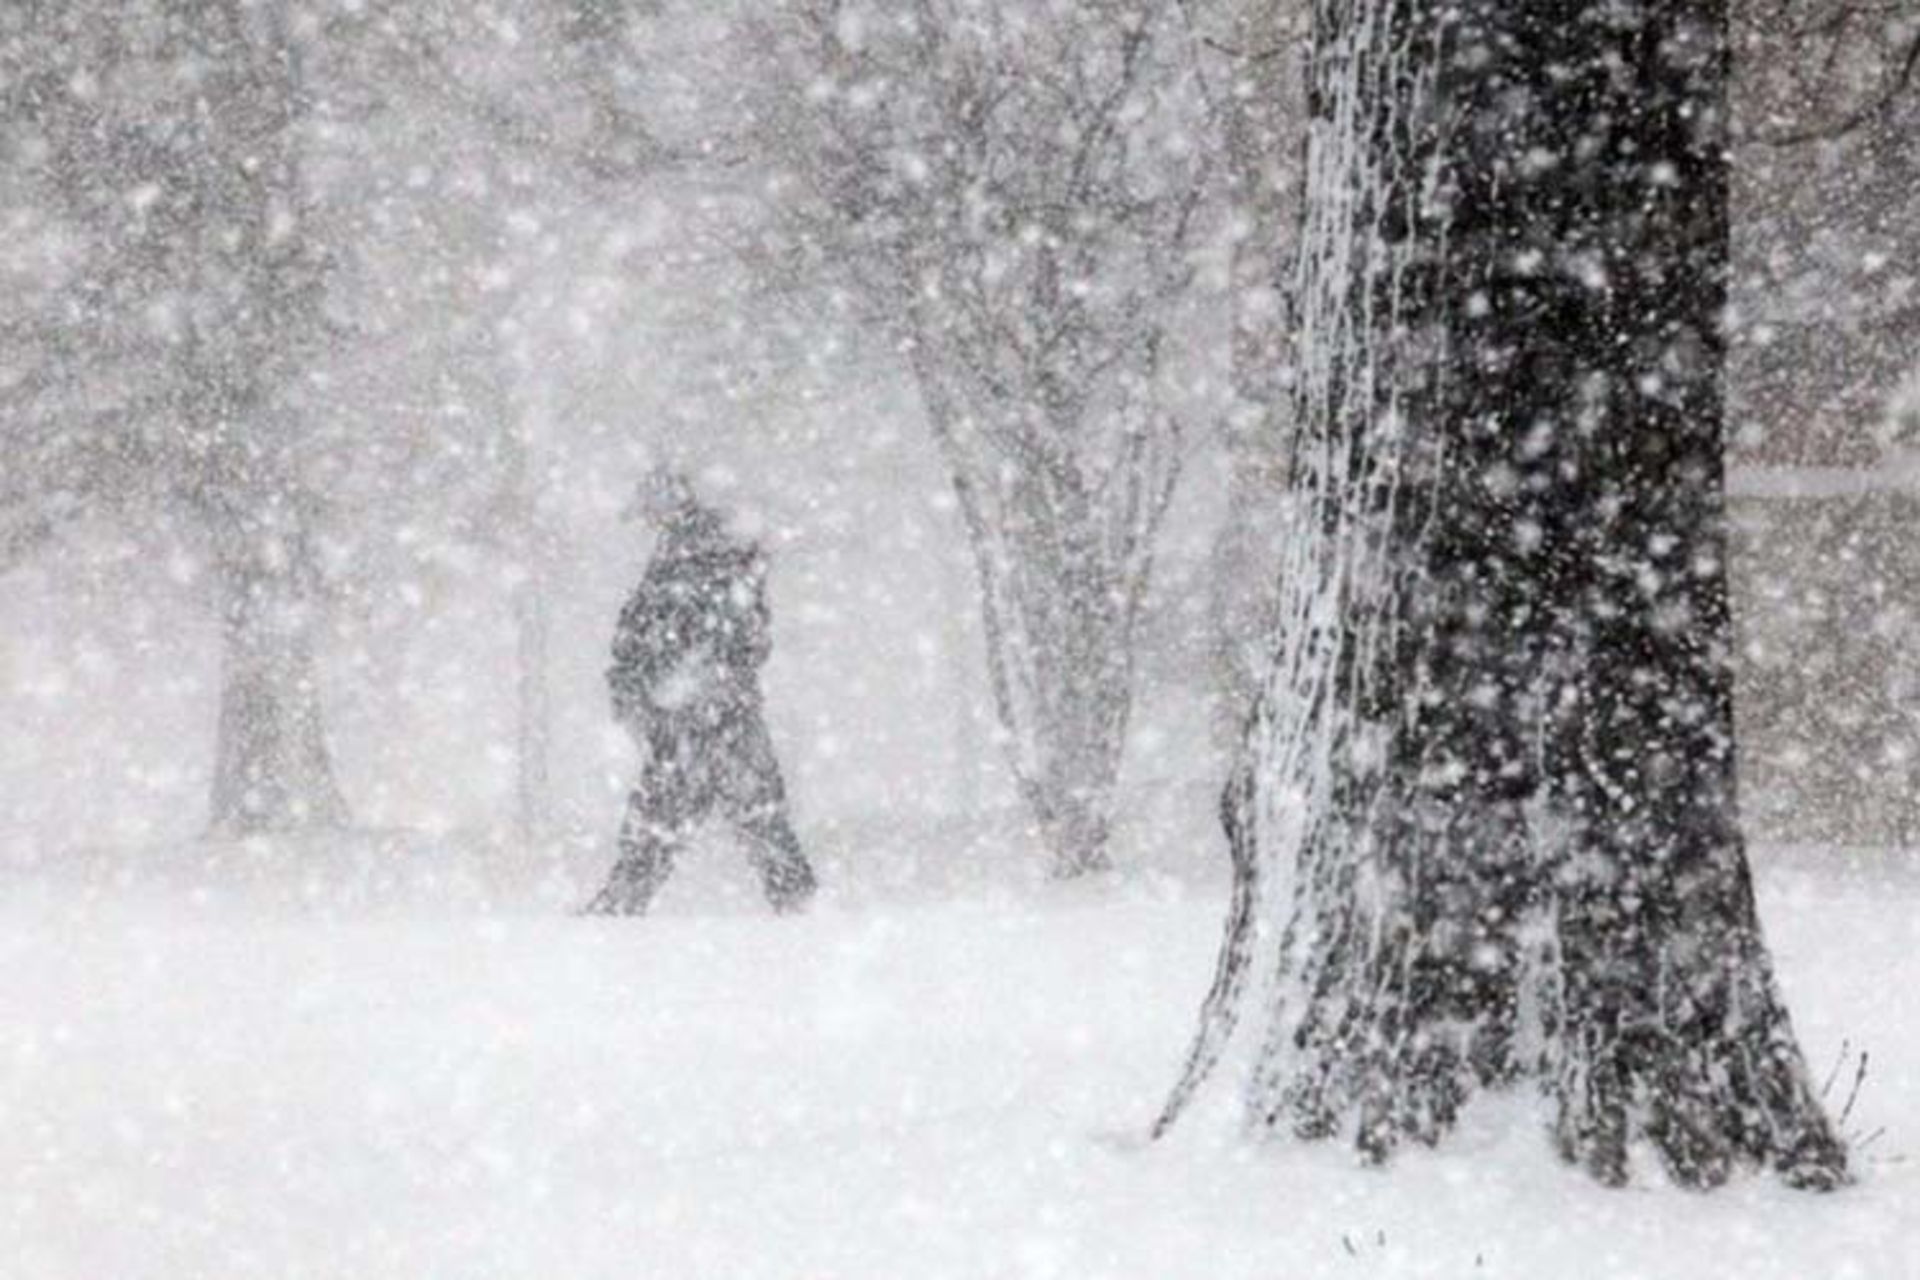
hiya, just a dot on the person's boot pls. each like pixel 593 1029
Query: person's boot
pixel 628 891
pixel 790 887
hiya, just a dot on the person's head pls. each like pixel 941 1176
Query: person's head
pixel 661 493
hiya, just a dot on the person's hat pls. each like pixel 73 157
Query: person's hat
pixel 660 492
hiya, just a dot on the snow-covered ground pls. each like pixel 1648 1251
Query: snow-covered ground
pixel 401 1061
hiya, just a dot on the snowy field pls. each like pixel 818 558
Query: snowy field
pixel 395 1062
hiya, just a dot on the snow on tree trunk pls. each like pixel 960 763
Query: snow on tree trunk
pixel 273 771
pixel 1495 753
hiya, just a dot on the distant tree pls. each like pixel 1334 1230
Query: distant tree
pixel 1494 758
pixel 259 265
pixel 1007 191
pixel 170 295
pixel 524 109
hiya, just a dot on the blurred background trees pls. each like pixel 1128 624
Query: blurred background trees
pixel 1008 195
pixel 155 360
pixel 330 334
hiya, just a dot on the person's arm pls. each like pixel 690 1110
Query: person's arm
pixel 629 675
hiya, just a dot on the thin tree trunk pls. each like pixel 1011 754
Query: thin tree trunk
pixel 533 707
pixel 966 736
pixel 273 771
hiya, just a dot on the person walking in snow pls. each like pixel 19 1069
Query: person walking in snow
pixel 685 681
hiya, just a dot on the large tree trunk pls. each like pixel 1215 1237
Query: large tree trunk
pixel 1497 749
pixel 272 769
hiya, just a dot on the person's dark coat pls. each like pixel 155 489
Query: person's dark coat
pixel 693 636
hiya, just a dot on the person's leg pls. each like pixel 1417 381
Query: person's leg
pixel 661 810
pixel 774 849
pixel 647 850
pixel 756 805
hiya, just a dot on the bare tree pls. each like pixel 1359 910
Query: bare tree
pixel 1007 191
pixel 151 372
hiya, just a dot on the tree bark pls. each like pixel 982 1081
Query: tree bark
pixel 1497 748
